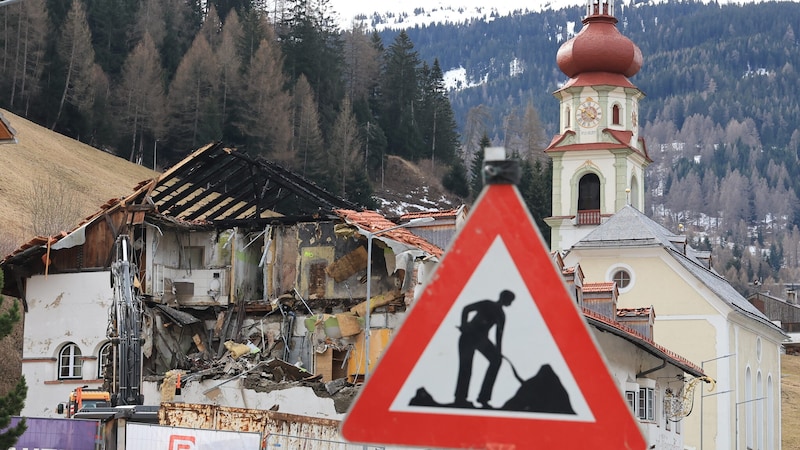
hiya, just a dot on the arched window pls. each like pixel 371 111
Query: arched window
pixel 589 200
pixel 615 115
pixel 770 414
pixel 633 196
pixel 103 359
pixel 759 405
pixel 69 362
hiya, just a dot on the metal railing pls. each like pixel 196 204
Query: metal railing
pixel 589 217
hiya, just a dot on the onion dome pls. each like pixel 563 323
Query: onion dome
pixel 599 47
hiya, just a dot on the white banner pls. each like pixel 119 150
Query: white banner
pixel 139 436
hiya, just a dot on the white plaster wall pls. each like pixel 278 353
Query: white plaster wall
pixel 624 361
pixel 62 308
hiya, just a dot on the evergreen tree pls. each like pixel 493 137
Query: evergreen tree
pixel 312 47
pixel 400 99
pixel 476 167
pixel 111 24
pixel 437 124
pixel 455 180
pixel 538 194
pixel 13 402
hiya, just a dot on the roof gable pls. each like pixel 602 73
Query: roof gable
pixel 632 229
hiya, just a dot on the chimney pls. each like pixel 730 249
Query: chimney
pixel 639 319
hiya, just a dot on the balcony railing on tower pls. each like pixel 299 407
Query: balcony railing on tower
pixel 589 217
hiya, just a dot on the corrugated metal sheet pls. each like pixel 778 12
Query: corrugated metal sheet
pixel 213 417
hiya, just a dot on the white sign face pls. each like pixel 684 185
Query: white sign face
pixel 460 351
pixel 139 436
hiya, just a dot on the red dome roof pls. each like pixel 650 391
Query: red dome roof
pixel 599 47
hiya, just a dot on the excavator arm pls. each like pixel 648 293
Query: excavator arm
pixel 125 327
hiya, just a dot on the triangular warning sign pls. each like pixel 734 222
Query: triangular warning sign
pixel 495 353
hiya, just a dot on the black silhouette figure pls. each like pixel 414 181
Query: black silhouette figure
pixel 542 393
pixel 477 320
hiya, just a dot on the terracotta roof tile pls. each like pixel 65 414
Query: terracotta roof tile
pixel 633 334
pixel 371 221
pixel 599 287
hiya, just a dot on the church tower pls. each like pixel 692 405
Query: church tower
pixel 598 156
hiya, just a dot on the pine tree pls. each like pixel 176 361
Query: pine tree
pixel 476 167
pixel 439 128
pixel 400 99
pixel 13 402
pixel 455 180
pixel 312 46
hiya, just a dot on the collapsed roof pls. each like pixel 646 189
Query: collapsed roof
pixel 213 188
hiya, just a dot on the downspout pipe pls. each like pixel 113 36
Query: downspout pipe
pixel 648 371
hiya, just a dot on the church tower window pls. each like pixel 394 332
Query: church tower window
pixel 615 115
pixel 589 200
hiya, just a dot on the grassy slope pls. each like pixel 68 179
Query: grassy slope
pixel 40 154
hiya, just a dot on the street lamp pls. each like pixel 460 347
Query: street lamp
pixel 702 396
pixel 737 416
pixel 371 235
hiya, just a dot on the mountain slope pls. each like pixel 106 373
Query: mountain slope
pixel 45 160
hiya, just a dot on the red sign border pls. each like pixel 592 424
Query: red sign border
pixel 500 211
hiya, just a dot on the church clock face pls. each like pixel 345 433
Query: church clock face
pixel 589 114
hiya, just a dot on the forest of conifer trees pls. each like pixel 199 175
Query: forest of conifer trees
pixel 152 80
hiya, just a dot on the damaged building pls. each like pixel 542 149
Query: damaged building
pixel 253 283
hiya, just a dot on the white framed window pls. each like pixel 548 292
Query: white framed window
pixel 630 397
pixel 647 400
pixel 622 275
pixel 70 362
pixel 103 358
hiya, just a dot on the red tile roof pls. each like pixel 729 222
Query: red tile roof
pixel 637 337
pixel 599 287
pixel 371 221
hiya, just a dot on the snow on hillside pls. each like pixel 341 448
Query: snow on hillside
pixel 401 13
